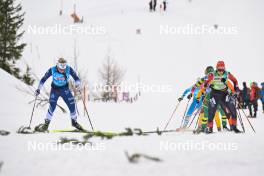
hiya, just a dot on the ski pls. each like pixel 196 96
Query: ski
pixel 107 134
pixel 82 131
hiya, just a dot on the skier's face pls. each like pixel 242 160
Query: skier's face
pixel 61 70
pixel 220 71
pixel 61 67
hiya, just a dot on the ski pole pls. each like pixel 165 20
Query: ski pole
pixel 185 112
pixel 175 109
pixel 198 112
pixel 247 118
pixel 87 112
pixel 196 124
pixel 239 116
pixel 29 126
pixel 76 106
pixel 241 121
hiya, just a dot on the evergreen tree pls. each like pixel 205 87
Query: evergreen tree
pixel 11 19
pixel 27 77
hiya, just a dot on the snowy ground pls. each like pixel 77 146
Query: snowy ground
pixel 175 60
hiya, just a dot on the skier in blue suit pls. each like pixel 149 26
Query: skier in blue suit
pixel 194 105
pixel 60 88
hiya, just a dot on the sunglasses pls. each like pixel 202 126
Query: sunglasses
pixel 220 70
pixel 62 66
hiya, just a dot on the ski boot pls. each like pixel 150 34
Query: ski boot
pixel 225 128
pixel 219 129
pixel 234 128
pixel 209 130
pixel 76 125
pixel 43 127
pixel 199 130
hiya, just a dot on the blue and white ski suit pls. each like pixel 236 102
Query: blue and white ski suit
pixel 194 105
pixel 60 88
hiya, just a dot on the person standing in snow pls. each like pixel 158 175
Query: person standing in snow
pixel 60 88
pixel 262 95
pixel 150 5
pixel 254 96
pixel 164 5
pixel 154 2
pixel 245 95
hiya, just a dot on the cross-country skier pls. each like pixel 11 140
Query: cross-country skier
pixel 60 88
pixel 194 106
pixel 220 95
pixel 205 93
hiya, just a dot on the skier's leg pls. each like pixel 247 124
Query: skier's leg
pixel 217 120
pixel 205 117
pixel 54 95
pixel 212 107
pixel 200 118
pixel 229 102
pixel 205 107
pixel 189 113
pixel 201 123
pixel 69 100
pixel 224 118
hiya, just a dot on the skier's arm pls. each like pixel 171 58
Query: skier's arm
pixel 44 79
pixel 234 80
pixel 197 84
pixel 199 94
pixel 230 87
pixel 186 92
pixel 209 80
pixel 75 77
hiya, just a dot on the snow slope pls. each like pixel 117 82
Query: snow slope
pixel 176 60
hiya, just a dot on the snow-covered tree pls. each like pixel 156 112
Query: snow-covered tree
pixel 11 20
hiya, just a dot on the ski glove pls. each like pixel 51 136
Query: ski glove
pixel 180 99
pixel 236 88
pixel 235 95
pixel 223 80
pixel 37 92
pixel 189 96
pixel 197 100
pixel 78 86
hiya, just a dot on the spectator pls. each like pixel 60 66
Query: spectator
pixel 152 5
pixel 254 96
pixel 245 96
pixel 164 5
pixel 262 96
